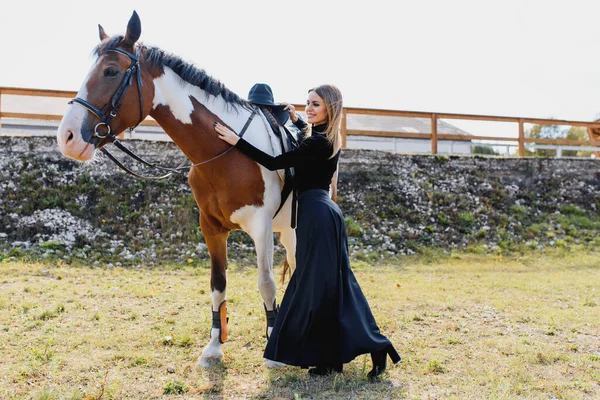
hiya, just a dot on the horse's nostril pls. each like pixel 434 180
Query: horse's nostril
pixel 70 137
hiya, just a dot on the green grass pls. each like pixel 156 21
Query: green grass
pixel 468 327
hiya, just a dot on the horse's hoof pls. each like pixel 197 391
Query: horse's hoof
pixel 274 364
pixel 208 362
pixel 210 357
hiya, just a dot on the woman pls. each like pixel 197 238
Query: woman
pixel 324 319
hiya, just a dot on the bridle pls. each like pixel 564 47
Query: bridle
pixel 109 111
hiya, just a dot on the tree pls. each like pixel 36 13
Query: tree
pixel 555 132
pixel 542 132
pixel 577 133
pixel 487 150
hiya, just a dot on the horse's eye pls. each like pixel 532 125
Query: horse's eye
pixel 111 71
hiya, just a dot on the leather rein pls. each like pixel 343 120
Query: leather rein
pixel 109 112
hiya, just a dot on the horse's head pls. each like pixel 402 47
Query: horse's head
pixel 116 94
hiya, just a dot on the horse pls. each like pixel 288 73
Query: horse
pixel 129 81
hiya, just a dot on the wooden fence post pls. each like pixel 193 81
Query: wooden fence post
pixel 521 141
pixel 344 129
pixel 0 112
pixel 434 134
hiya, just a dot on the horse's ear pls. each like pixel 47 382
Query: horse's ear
pixel 102 32
pixel 134 30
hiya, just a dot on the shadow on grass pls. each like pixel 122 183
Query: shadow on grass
pixel 215 376
pixel 296 383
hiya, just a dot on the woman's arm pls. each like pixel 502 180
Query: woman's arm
pixel 308 150
pixel 296 120
pixel 300 124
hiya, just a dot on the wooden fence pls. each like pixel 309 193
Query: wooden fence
pixel 433 117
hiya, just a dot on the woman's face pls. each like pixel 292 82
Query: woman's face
pixel 316 113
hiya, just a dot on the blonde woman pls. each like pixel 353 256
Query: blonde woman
pixel 324 320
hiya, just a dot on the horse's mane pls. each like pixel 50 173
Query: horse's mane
pixel 186 71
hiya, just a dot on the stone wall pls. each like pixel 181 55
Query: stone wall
pixel 51 207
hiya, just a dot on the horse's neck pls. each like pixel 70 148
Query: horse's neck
pixel 187 113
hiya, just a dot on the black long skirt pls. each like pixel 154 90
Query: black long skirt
pixel 324 317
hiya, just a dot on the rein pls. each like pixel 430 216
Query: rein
pixel 170 171
pixel 109 111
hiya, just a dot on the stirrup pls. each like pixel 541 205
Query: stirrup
pixel 271 317
pixel 220 320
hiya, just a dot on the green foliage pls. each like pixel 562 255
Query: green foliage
pixel 352 227
pixel 139 361
pixel 45 394
pixel 46 315
pixel 543 132
pixel 571 209
pixel 486 150
pixel 465 222
pixel 175 387
pixel 556 132
pixel 521 213
pixel 185 340
pixel 577 133
pixel 443 219
pixel 579 221
pixel 51 245
pixel 435 367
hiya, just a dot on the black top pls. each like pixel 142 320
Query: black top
pixel 314 169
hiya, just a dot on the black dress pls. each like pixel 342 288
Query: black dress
pixel 324 318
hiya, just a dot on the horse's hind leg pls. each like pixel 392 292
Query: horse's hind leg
pixel 217 248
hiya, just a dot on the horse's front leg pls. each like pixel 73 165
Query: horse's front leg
pixel 262 234
pixel 217 248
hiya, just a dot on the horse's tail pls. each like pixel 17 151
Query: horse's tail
pixel 286 267
pixel 285 271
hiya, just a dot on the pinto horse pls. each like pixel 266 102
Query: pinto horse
pixel 130 81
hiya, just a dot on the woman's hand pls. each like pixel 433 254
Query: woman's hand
pixel 292 110
pixel 226 134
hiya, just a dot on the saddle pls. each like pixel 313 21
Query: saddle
pixel 287 142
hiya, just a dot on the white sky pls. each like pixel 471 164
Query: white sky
pixel 524 58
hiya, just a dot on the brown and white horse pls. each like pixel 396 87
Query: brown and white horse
pixel 130 81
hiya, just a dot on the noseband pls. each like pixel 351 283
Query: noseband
pixel 109 111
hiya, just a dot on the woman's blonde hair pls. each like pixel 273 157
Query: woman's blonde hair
pixel 332 97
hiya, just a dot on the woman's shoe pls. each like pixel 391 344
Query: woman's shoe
pixel 322 370
pixel 379 359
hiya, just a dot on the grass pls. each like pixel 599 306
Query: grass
pixel 468 327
